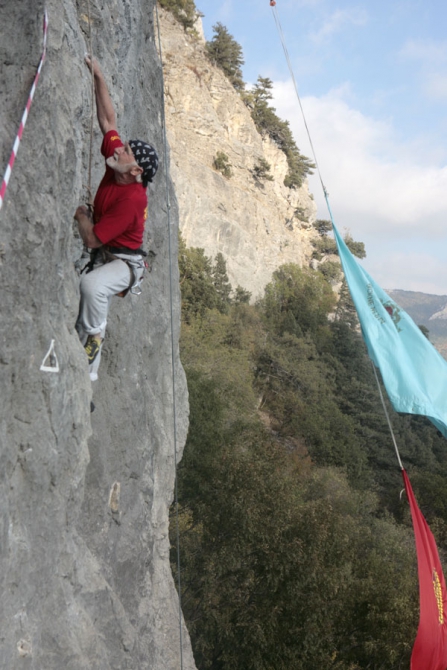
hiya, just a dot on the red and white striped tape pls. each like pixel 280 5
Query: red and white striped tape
pixel 25 114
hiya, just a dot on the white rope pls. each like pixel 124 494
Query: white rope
pixel 174 406
pixel 387 416
pixel 326 195
pixel 89 178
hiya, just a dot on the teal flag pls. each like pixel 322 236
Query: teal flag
pixel 413 372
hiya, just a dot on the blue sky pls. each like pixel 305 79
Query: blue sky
pixel 372 78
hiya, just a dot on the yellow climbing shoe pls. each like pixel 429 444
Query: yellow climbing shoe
pixel 92 347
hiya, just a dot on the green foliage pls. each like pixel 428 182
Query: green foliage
pixel 284 567
pixel 268 123
pixel 226 53
pixel 196 282
pixel 183 10
pixel 323 226
pixel 241 296
pixel 297 301
pixel 221 284
pixel 290 558
pixel 222 164
pixel 356 248
pixel 261 170
pixel 324 246
pixel 204 286
pixel 331 271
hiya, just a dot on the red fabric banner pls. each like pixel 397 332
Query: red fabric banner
pixel 430 647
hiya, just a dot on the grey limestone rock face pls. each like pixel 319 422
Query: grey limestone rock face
pixel 257 225
pixel 84 498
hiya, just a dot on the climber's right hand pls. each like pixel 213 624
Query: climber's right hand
pixel 81 211
pixel 93 65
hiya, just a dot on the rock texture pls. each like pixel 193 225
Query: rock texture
pixel 84 570
pixel 257 226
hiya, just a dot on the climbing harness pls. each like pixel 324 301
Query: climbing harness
pixel 137 266
pixel 15 147
pixel 173 347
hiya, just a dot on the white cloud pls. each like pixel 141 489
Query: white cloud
pixel 377 187
pixel 427 51
pixel 338 21
pixel 435 86
pixel 431 58
pixel 367 173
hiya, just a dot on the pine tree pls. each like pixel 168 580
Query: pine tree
pixel 221 284
pixel 226 53
pixel 268 123
pixel 183 10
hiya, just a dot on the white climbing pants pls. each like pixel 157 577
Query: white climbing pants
pixel 97 289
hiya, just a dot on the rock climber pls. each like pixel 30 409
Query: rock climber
pixel 114 230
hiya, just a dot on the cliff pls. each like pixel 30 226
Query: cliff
pixel 84 551
pixel 256 225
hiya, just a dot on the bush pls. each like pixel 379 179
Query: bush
pixel 222 164
pixel 331 271
pixel 261 170
pixel 324 246
pixel 356 248
pixel 183 10
pixel 323 226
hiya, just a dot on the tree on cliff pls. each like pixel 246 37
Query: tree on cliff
pixel 222 286
pixel 268 123
pixel 226 53
pixel 183 10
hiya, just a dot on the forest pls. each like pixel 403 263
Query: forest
pixel 296 545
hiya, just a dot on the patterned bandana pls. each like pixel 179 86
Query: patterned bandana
pixel 146 157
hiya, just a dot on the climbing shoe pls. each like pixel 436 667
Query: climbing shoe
pixel 92 347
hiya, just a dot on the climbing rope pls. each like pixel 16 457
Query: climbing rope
pixel 15 147
pixel 326 194
pixel 289 64
pixel 387 416
pixel 171 284
pixel 89 178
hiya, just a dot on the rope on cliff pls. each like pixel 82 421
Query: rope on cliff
pixel 174 405
pixel 89 178
pixel 15 147
pixel 326 196
pixel 289 64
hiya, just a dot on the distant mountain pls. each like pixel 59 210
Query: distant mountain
pixel 426 310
